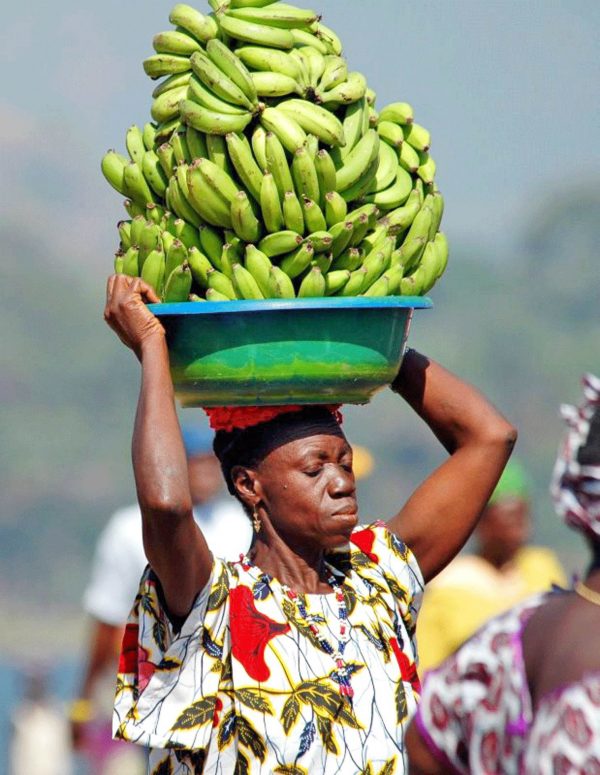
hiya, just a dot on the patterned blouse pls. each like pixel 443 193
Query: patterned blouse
pixel 476 713
pixel 246 687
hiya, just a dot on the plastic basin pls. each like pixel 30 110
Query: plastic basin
pixel 302 351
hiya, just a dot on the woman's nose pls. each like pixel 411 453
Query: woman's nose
pixel 341 481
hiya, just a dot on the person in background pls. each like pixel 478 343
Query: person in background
pixel 523 694
pixel 39 737
pixel 503 571
pixel 116 571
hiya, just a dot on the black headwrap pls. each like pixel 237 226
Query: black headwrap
pixel 249 446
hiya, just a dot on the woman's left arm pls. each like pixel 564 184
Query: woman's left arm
pixel 439 517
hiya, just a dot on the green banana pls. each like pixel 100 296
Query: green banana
pixel 279 243
pixel 131 264
pixel 138 224
pixel 204 200
pixel 175 255
pixel 370 210
pixel 215 79
pixel 304 174
pixel 233 67
pixel 391 133
pixel 322 241
pixel 124 228
pixel 133 209
pixel 306 38
pixel 199 266
pixel 326 173
pixel 361 227
pixel 270 204
pixel 166 106
pixel 181 151
pixel 280 285
pixel 421 224
pixel 418 137
pixel 400 219
pixel 250 3
pixel 437 207
pixel 244 283
pixel 260 34
pixel 204 96
pixel 334 73
pixel 258 142
pixel 398 113
pixel 350 260
pixel 134 142
pixel 313 284
pixel 287 129
pixel 259 265
pixel 358 162
pixel 411 285
pixel 353 89
pixel 277 164
pixel 336 208
pixel 276 15
pixel 441 244
pixel 149 240
pixel 155 213
pixel 315 64
pixel 113 168
pixel 293 216
pixel 149 136
pixel 196 142
pixel 202 27
pixel 154 174
pixel 355 124
pixel 341 234
pixel 185 232
pixel 242 160
pixel 216 182
pixel 329 38
pixel 165 64
pixel 393 275
pixel 268 84
pixel 315 119
pixel 164 131
pixel 135 184
pixel 170 83
pixel 269 60
pixel 213 295
pixel 381 287
pixel 211 243
pixel 408 158
pixel 219 282
pixel 396 194
pixel 153 270
pixel 357 190
pixel 355 284
pixel 216 149
pixel 335 280
pixel 166 157
pixel 426 169
pixel 297 262
pixel 174 42
pixel 245 224
pixel 210 121
pixel 314 220
pixel 178 285
pixel 386 171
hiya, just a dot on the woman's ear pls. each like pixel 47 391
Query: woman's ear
pixel 246 485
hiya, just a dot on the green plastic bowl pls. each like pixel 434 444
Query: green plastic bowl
pixel 303 351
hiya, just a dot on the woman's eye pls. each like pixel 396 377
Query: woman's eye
pixel 313 472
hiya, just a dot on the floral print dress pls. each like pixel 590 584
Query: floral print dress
pixel 246 687
pixel 476 714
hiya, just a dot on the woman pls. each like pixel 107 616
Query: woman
pixel 523 695
pixel 301 656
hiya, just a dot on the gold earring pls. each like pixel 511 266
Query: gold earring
pixel 256 520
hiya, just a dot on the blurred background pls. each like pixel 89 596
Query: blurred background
pixel 509 91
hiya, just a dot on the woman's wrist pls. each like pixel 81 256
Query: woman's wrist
pixel 412 363
pixel 152 346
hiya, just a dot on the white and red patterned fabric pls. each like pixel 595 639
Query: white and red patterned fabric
pixel 476 714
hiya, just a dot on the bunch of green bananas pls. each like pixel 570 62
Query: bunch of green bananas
pixel 268 172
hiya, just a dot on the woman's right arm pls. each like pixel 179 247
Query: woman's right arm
pixel 174 544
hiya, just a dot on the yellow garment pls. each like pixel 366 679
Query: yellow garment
pixel 470 591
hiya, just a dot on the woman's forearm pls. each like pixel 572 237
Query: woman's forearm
pixel 159 460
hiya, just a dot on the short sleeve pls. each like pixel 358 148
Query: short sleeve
pixel 168 681
pixel 117 566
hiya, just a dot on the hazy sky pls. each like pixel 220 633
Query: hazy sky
pixel 508 89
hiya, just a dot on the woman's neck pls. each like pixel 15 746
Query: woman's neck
pixel 301 570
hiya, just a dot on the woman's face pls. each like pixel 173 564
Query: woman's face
pixel 307 488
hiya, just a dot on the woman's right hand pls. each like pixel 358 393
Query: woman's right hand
pixel 126 311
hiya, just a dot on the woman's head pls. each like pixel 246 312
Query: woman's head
pixel 296 470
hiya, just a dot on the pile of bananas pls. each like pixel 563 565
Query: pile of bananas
pixel 268 172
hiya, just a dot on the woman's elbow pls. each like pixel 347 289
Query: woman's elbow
pixel 500 434
pixel 164 508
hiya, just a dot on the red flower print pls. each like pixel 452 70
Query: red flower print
pixel 575 726
pixel 218 709
pixel 408 669
pixel 364 539
pixel 128 659
pixel 490 748
pixel 561 765
pixel 145 669
pixel 439 714
pixel 250 633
